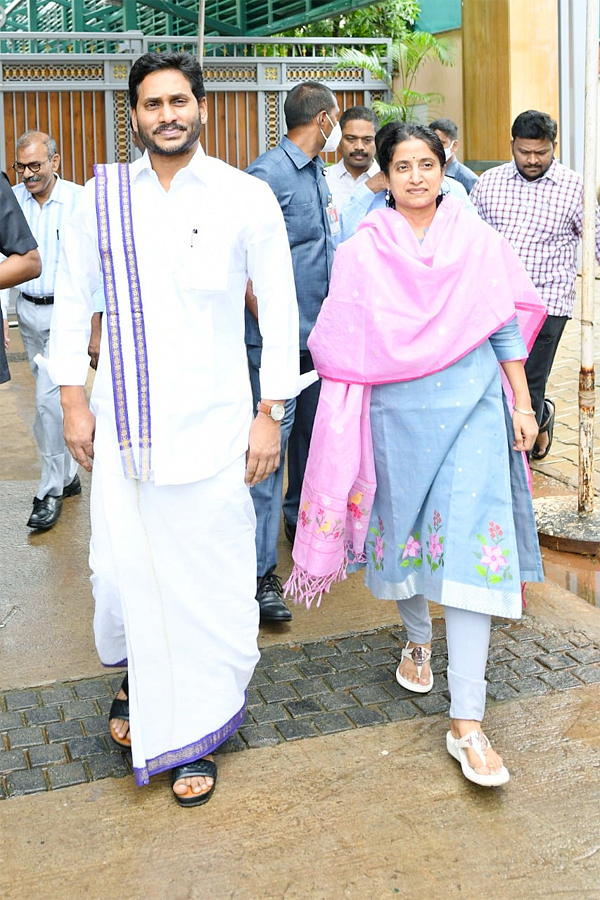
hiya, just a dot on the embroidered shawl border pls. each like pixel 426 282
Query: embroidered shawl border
pixel 108 250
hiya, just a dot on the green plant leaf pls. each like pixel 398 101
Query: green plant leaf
pixel 482 570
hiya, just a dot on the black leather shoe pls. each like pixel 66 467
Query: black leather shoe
pixel 269 596
pixel 45 512
pixel 289 530
pixel 73 488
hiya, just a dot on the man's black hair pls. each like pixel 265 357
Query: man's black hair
pixel 535 126
pixel 304 102
pixel 359 112
pixel 185 63
pixel 447 126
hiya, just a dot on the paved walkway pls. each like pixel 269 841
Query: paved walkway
pixel 370 808
pixel 563 387
pixel 58 736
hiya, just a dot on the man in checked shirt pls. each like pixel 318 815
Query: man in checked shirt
pixel 537 204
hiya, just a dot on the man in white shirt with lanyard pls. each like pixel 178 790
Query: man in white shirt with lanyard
pixel 173 238
pixel 47 202
pixel 359 125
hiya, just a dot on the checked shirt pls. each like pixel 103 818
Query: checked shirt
pixel 543 222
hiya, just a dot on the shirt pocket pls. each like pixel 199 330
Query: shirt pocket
pixel 303 222
pixel 206 260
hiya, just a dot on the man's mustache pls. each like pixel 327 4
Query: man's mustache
pixel 162 128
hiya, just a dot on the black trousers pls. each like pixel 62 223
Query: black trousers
pixel 539 364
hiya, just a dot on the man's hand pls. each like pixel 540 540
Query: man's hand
pixel 264 446
pixel 251 300
pixel 377 183
pixel 95 337
pixel 79 425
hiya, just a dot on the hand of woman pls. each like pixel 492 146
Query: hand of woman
pixel 526 431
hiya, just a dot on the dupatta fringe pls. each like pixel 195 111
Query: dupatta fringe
pixel 303 587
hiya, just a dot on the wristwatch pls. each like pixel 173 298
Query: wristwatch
pixel 275 410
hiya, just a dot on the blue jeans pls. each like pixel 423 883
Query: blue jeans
pixel 267 495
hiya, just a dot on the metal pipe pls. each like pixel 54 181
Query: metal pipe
pixel 201 20
pixel 587 402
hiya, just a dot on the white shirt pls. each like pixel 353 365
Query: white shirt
pixel 342 184
pixel 46 224
pixel 196 246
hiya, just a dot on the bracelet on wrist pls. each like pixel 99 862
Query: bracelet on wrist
pixel 524 412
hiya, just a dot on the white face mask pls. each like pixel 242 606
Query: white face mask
pixel 333 141
pixel 449 151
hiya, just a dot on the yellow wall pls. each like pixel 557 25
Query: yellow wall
pixel 446 80
pixel 510 64
pixel 506 61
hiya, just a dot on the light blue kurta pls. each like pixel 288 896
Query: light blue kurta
pixel 452 517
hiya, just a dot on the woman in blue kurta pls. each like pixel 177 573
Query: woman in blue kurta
pixel 417 468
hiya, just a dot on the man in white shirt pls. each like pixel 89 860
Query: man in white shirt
pixel 359 125
pixel 173 238
pixel 47 202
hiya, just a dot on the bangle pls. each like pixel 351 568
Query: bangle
pixel 524 412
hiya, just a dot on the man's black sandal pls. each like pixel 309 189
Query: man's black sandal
pixel 119 709
pixel 547 427
pixel 200 767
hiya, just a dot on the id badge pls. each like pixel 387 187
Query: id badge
pixel 334 220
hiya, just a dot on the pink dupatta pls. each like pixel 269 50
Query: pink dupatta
pixel 396 310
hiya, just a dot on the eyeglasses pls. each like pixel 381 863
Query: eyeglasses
pixel 32 166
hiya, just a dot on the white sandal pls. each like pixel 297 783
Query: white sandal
pixel 477 741
pixel 419 656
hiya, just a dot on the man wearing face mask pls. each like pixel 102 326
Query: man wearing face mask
pixel 447 132
pixel 294 170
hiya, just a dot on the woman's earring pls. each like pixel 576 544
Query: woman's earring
pixel 387 197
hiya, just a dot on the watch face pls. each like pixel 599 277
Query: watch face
pixel 277 412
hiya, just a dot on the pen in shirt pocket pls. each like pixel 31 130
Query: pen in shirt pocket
pixel 194 233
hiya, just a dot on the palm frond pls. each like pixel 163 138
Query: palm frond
pixel 416 98
pixel 350 57
pixel 389 112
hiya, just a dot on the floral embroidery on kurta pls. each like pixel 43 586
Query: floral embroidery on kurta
pixel 494 565
pixel 377 545
pixel 412 551
pixel 415 550
pixel 435 541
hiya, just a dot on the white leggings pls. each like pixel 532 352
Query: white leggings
pixel 468 639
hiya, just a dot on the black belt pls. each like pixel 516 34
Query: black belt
pixel 39 301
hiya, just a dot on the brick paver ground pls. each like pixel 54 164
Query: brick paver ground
pixel 56 736
pixel 563 387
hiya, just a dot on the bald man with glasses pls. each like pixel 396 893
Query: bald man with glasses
pixel 47 202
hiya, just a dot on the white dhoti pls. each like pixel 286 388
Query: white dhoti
pixel 174 580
